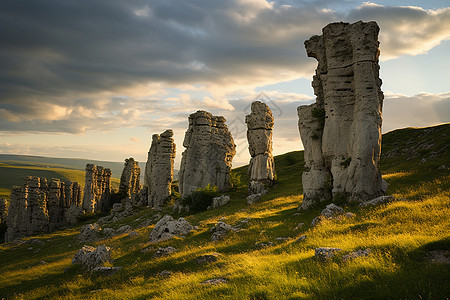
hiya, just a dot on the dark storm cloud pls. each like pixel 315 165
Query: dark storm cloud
pixel 61 62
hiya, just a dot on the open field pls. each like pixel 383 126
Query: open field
pixel 409 241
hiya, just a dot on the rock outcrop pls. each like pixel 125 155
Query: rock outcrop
pixel 261 169
pixel 90 258
pixel 341 132
pixel 209 153
pixel 3 210
pixel 159 169
pixel 167 228
pixel 97 189
pixel 130 180
pixel 39 206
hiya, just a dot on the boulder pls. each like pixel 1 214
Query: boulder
pixel 162 252
pixel 220 230
pixel 253 198
pixel 325 253
pixel 356 254
pixel 89 257
pixel 89 233
pixel 167 228
pixel 219 201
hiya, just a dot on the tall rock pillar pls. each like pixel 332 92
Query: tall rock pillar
pixel 159 168
pixel 341 132
pixel 209 153
pixel 97 188
pixel 130 179
pixel 261 169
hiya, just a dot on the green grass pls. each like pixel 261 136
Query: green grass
pixel 400 234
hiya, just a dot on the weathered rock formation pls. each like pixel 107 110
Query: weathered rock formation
pixel 3 210
pixel 341 132
pixel 90 258
pixel 167 228
pixel 159 169
pixel 209 153
pixel 130 180
pixel 97 189
pixel 39 206
pixel 261 169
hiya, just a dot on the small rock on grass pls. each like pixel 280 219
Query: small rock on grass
pixel 215 281
pixel 324 253
pixel 207 258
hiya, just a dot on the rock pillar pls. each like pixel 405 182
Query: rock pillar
pixel 261 169
pixel 159 168
pixel 209 153
pixel 130 179
pixel 341 132
pixel 97 189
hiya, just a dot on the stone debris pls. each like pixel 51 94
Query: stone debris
pixel 300 225
pixel 219 201
pixel 215 281
pixel 89 257
pixel 209 153
pixel 108 232
pixel 162 252
pixel 253 198
pixel 377 201
pixel 159 169
pixel 332 211
pixel 97 189
pixel 207 258
pixel 261 169
pixel 106 271
pixel 89 233
pixel 324 253
pixel 3 210
pixel 129 185
pixel 303 237
pixel 167 228
pixel 220 230
pixel 356 254
pixel 165 273
pixel 118 212
pixel 133 233
pixel 341 132
pixel 40 206
pixel 124 229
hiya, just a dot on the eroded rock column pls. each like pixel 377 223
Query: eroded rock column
pixel 261 169
pixel 159 168
pixel 209 153
pixel 97 189
pixel 130 179
pixel 341 132
pixel 3 210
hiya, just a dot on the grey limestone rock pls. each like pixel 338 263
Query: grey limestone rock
pixel 332 210
pixel 253 198
pixel 324 253
pixel 130 180
pixel 220 230
pixel 341 132
pixel 159 169
pixel 377 201
pixel 90 258
pixel 215 281
pixel 162 252
pixel 356 254
pixel 209 153
pixel 40 206
pixel 97 189
pixel 261 169
pixel 167 228
pixel 219 201
pixel 89 233
pixel 3 210
pixel 207 258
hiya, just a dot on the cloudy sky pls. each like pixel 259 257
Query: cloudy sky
pixel 95 79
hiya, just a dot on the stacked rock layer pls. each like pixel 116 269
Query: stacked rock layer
pixel 261 169
pixel 97 189
pixel 39 206
pixel 341 132
pixel 130 179
pixel 159 169
pixel 209 153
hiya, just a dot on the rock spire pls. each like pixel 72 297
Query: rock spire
pixel 97 189
pixel 209 153
pixel 341 132
pixel 130 179
pixel 261 169
pixel 159 168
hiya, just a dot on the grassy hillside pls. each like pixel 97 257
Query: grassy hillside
pixel 404 236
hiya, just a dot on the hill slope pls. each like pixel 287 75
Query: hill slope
pixel 409 242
